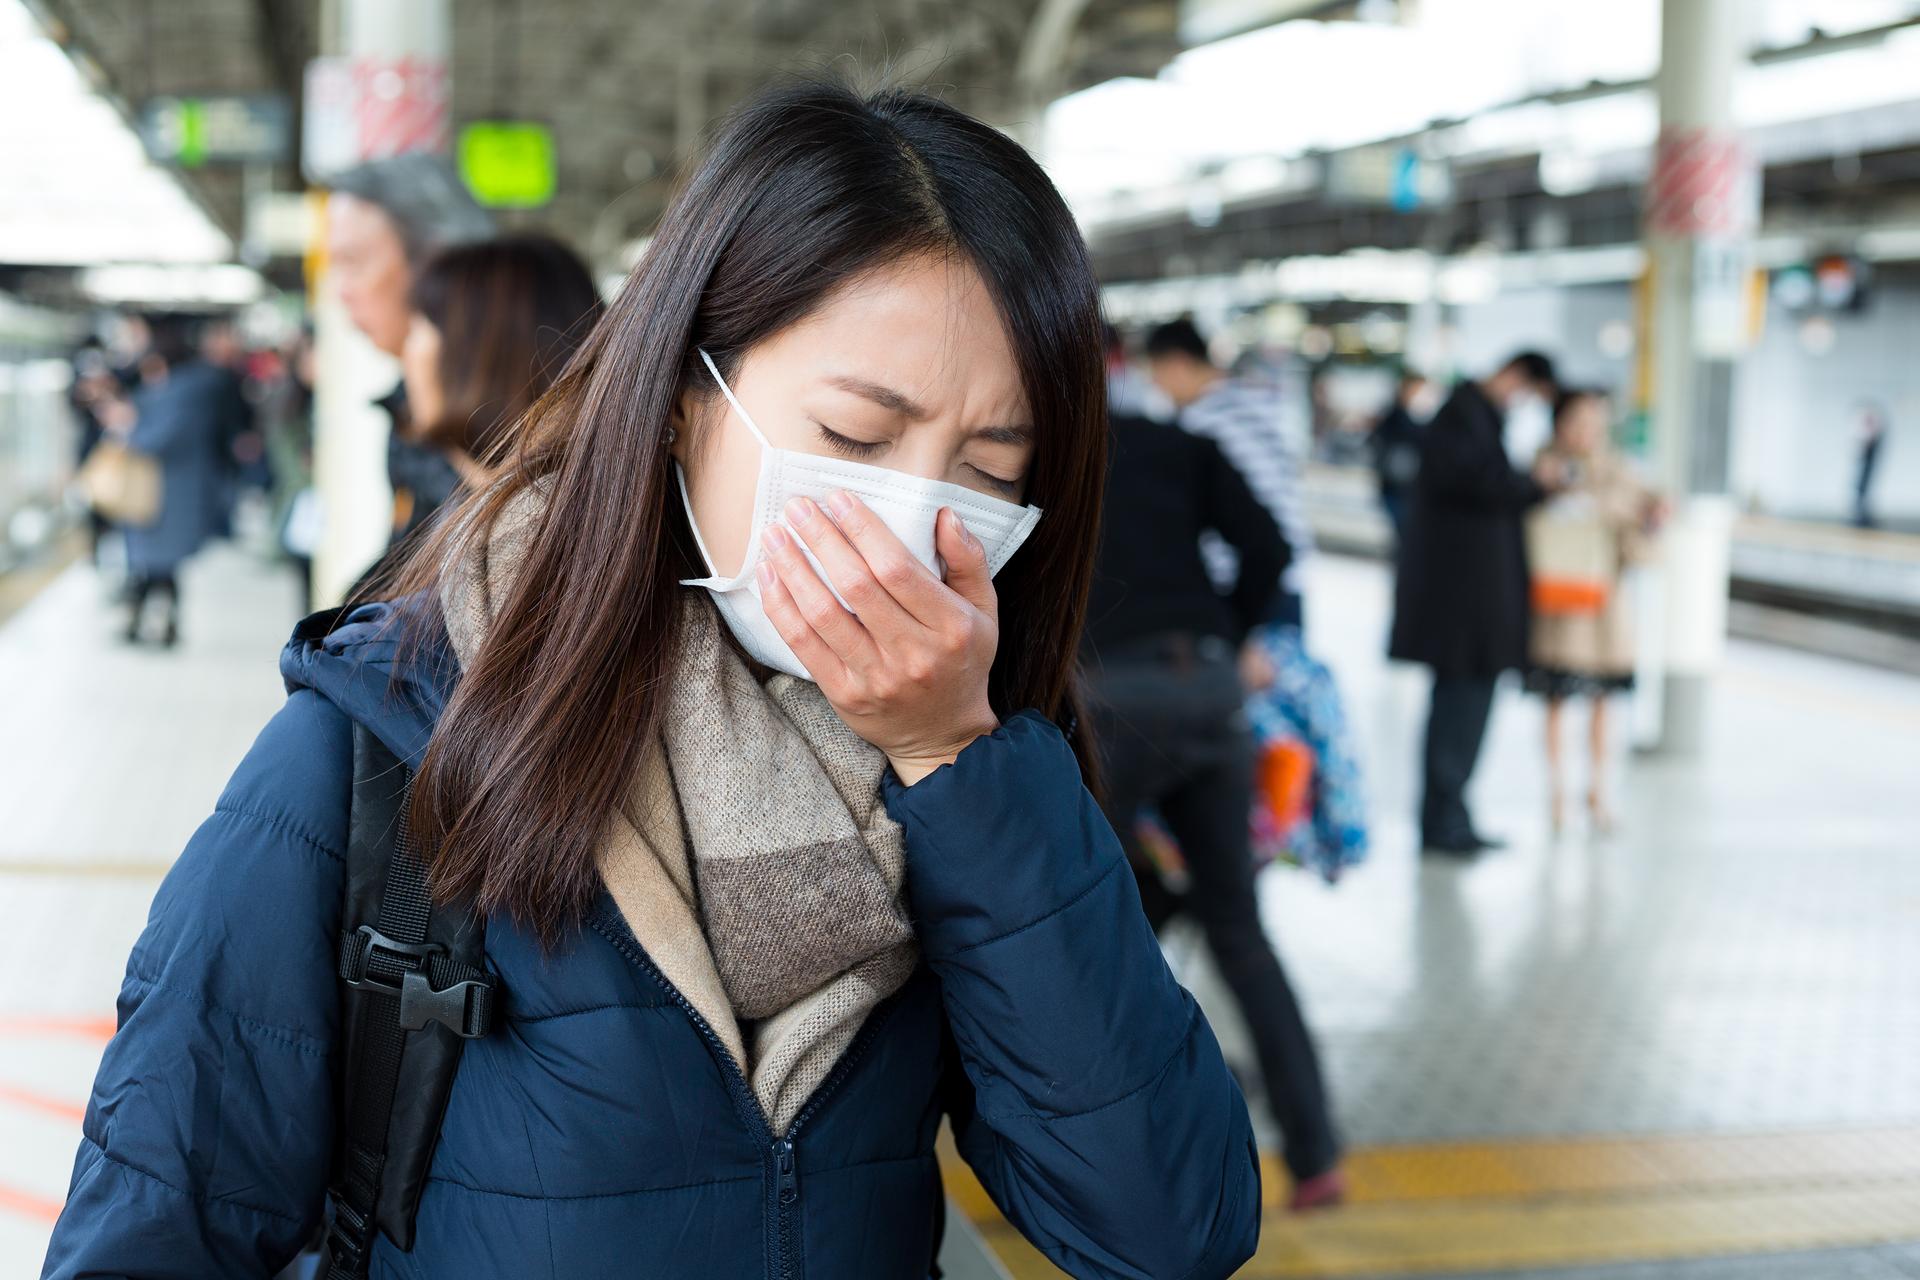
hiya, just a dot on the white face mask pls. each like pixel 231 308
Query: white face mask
pixel 906 504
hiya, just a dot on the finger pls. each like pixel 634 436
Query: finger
pixel 917 588
pixel 966 561
pixel 871 585
pixel 814 653
pixel 842 631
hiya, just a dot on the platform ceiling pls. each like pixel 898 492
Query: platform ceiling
pixel 625 84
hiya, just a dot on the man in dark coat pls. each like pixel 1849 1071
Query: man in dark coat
pixel 1461 597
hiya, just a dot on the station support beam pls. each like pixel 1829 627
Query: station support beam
pixel 398 55
pixel 1702 211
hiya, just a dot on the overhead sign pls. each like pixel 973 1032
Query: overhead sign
pixel 281 224
pixel 1387 174
pixel 191 132
pixel 507 164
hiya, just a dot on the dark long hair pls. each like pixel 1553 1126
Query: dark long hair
pixel 510 312
pixel 802 190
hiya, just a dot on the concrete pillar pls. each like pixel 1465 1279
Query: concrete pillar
pixel 400 55
pixel 1701 214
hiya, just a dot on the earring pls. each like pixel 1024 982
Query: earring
pixel 672 435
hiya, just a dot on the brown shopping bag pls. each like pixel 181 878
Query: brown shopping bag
pixel 1572 556
pixel 122 484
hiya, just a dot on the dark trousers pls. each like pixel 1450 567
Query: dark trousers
pixel 1173 736
pixel 1456 725
pixel 1397 503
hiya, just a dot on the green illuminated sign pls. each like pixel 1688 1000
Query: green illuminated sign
pixel 507 164
pixel 192 132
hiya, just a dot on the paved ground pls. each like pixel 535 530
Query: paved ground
pixel 1684 1052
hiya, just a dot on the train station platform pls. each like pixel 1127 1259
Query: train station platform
pixel 1683 1051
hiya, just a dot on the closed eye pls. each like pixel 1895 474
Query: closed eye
pixel 1011 488
pixel 847 444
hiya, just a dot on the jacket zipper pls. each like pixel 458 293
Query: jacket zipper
pixel 785 1191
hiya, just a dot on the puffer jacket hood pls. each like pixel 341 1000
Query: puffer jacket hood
pixel 386 665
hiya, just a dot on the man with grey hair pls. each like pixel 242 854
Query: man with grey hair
pixel 385 218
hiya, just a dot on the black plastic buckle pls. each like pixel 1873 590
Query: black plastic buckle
pixel 348 1238
pixel 461 1007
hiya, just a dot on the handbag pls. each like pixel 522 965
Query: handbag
pixel 1572 557
pixel 122 484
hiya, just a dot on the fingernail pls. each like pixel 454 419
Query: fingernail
pixel 775 538
pixel 840 503
pixel 766 573
pixel 800 511
pixel 966 534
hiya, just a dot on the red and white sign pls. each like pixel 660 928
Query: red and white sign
pixel 1705 183
pixel 369 107
pixel 400 105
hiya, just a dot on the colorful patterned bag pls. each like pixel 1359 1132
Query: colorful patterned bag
pixel 1301 715
pixel 1308 806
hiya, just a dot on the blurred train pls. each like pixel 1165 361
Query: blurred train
pixel 38 430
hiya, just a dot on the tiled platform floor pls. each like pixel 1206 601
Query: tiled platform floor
pixel 1714 1016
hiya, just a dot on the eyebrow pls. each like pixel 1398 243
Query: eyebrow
pixel 1016 434
pixel 907 407
pixel 884 396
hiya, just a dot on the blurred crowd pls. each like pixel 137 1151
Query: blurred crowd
pixel 187 429
pixel 183 427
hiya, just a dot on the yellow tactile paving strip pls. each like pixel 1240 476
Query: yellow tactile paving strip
pixel 1489 1206
pixel 18 587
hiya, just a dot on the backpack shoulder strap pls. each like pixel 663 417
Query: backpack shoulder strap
pixel 414 990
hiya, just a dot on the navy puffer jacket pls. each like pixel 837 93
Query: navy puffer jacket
pixel 598 1132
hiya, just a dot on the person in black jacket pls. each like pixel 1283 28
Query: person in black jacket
pixel 1166 690
pixel 1461 597
pixel 1394 445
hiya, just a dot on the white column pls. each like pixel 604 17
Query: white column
pixel 1702 212
pixel 399 51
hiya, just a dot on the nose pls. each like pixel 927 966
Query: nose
pixel 925 453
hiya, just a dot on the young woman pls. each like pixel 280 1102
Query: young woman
pixel 779 868
pixel 1583 648
pixel 492 325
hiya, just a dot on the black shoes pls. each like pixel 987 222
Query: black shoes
pixel 1471 845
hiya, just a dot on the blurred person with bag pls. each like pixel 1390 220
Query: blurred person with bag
pixel 1579 544
pixel 1167 670
pixel 169 430
pixel 158 471
pixel 1460 596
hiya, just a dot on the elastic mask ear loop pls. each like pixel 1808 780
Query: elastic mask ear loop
pixel 680 472
pixel 686 500
pixel 738 408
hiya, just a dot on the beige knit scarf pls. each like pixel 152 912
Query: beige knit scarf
pixel 752 855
